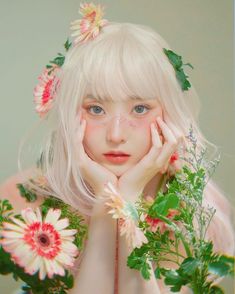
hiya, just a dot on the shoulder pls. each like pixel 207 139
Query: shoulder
pixel 9 191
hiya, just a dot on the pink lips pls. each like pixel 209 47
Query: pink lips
pixel 116 156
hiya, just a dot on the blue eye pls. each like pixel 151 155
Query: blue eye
pixel 96 109
pixel 140 108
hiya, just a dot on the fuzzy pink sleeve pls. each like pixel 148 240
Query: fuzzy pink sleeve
pixel 221 230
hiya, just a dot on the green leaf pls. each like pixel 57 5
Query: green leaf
pixel 219 268
pixel 157 273
pixel 26 193
pixel 182 78
pixel 139 260
pixel 189 266
pixel 145 270
pixel 163 204
pixel 176 61
pixel 174 279
pixel 67 45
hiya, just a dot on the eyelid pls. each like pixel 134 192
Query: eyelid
pixel 90 105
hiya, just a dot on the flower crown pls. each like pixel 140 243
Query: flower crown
pixel 84 30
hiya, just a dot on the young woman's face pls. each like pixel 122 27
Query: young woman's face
pixel 122 126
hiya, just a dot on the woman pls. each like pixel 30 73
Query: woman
pixel 117 114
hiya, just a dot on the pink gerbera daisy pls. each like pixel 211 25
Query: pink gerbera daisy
pixel 40 245
pixel 134 235
pixel 89 26
pixel 156 223
pixel 44 92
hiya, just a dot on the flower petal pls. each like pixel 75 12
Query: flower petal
pixel 10 226
pixel 29 215
pixel 52 216
pixel 61 224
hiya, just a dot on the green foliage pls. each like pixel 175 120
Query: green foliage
pixel 5 210
pixel 29 195
pixel 222 266
pixel 177 63
pixel 58 61
pixel 163 203
pixel 139 260
pixel 187 228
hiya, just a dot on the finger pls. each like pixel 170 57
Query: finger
pixel 177 133
pixel 155 136
pixel 164 157
pixel 167 133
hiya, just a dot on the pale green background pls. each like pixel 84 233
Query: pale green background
pixel 32 32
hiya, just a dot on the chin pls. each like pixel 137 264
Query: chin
pixel 118 170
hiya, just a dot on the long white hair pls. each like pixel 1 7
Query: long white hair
pixel 125 60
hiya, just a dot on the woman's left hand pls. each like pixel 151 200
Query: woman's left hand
pixel 131 184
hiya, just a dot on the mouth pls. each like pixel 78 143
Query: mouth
pixel 117 157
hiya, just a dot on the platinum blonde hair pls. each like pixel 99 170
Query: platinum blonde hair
pixel 124 60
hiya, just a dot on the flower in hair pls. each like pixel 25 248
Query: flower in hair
pixel 89 26
pixel 45 90
pixel 176 61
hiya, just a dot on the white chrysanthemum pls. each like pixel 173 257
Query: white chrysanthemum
pixel 40 245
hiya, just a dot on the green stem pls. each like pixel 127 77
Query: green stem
pixel 185 244
pixel 171 252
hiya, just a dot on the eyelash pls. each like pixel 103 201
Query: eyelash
pixel 146 106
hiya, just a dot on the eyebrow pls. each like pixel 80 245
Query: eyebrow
pixel 90 97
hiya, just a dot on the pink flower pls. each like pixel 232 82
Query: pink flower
pixel 114 201
pixel 89 26
pixel 174 157
pixel 40 245
pixel 44 92
pixel 156 223
pixel 174 164
pixel 134 235
pixel 126 213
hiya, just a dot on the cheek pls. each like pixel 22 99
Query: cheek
pixel 92 134
pixel 142 132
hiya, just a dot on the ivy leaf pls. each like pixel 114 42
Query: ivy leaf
pixel 26 193
pixel 175 60
pixel 67 45
pixel 182 78
pixel 177 63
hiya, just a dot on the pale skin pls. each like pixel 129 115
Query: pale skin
pixel 119 128
pixel 141 175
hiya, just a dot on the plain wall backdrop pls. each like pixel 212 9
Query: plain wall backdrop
pixel 33 32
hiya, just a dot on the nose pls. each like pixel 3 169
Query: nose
pixel 117 130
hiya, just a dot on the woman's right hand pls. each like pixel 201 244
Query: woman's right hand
pixel 92 173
